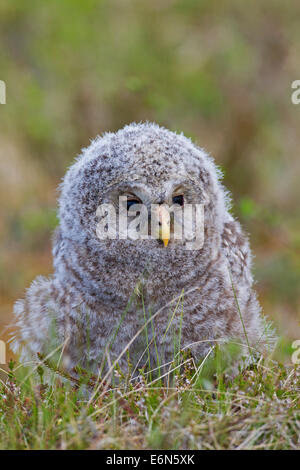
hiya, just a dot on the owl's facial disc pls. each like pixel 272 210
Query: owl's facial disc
pixel 151 213
pixel 159 211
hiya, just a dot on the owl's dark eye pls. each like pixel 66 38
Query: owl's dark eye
pixel 178 200
pixel 131 202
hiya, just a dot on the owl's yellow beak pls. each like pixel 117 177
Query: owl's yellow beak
pixel 166 241
pixel 164 229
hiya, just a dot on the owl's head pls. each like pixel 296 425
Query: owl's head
pixel 141 164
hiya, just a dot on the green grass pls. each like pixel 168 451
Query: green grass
pixel 193 407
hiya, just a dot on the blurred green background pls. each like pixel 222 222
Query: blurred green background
pixel 220 71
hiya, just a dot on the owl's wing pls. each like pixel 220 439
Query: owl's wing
pixel 236 248
pixel 35 316
pixel 237 251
